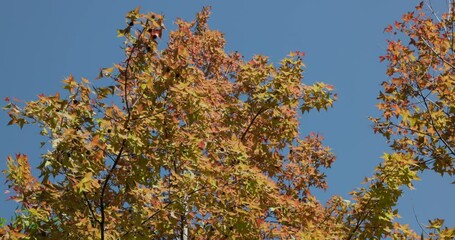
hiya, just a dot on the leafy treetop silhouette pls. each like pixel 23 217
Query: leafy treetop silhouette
pixel 192 142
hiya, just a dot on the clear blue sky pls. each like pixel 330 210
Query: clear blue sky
pixel 42 42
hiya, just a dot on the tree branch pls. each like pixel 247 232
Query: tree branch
pixel 366 213
pixel 436 53
pixel 262 110
pixel 125 73
pixel 172 202
pixel 103 205
pixel 417 220
pixel 89 205
pixel 103 189
pixel 428 3
pixel 449 148
pixel 362 219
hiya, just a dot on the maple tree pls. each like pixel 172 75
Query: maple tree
pixel 188 141
pixel 418 120
pixel 418 102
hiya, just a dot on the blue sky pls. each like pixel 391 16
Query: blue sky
pixel 44 41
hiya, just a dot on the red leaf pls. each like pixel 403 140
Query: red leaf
pixel 6 99
pixel 299 53
pixel 381 58
pixel 259 221
pixel 201 145
pixel 408 17
pixel 388 29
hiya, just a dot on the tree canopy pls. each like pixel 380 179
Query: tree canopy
pixel 188 141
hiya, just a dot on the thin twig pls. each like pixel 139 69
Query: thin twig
pixel 89 205
pixel 436 53
pixel 433 124
pixel 428 3
pixel 417 220
pixel 409 129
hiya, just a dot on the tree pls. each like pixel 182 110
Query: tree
pixel 418 102
pixel 190 142
pixel 418 119
pixel 187 141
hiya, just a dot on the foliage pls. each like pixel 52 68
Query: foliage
pixel 188 141
pixel 418 103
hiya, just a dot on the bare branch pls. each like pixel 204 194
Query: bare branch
pixel 417 220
